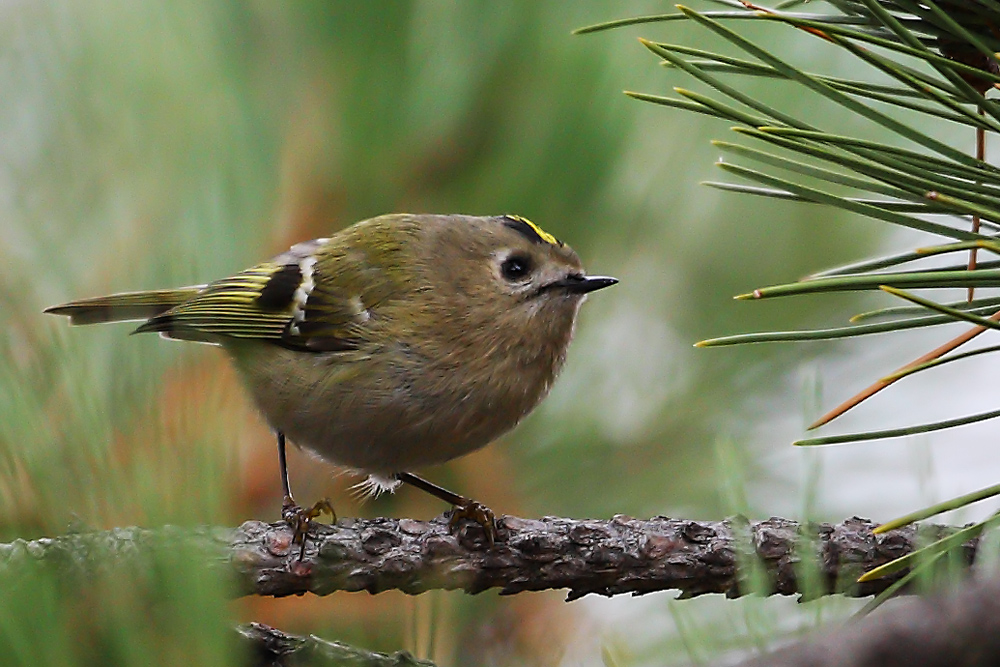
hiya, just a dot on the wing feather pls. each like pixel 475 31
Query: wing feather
pixel 291 300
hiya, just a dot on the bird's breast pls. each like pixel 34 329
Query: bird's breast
pixel 395 407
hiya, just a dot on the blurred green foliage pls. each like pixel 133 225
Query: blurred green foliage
pixel 158 144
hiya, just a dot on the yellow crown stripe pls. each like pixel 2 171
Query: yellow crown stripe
pixel 542 234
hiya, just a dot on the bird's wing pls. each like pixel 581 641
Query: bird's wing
pixel 288 300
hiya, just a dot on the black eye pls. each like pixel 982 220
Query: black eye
pixel 515 268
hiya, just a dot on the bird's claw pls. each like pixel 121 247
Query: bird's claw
pixel 301 519
pixel 479 513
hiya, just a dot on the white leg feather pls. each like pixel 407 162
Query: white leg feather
pixel 374 485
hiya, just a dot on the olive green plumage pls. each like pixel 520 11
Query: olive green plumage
pixel 399 342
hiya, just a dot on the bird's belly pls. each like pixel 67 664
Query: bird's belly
pixel 380 416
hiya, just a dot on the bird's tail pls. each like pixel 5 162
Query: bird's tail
pixel 124 307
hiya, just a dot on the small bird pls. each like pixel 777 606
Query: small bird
pixel 400 342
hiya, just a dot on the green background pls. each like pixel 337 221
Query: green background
pixel 151 145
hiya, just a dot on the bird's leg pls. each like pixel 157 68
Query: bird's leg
pixel 283 464
pixel 299 519
pixel 465 508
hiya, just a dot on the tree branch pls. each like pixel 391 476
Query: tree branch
pixel 960 628
pixel 623 555
pixel 270 647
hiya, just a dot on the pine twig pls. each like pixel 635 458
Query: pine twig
pixel 269 647
pixel 605 557
pixel 956 628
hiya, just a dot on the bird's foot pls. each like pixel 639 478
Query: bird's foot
pixel 465 508
pixel 477 512
pixel 301 519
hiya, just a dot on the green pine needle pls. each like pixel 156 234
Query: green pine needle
pixel 940 361
pixel 931 550
pixel 940 508
pixel 941 308
pixel 897 432
pixel 850 283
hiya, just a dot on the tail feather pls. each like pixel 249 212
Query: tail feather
pixel 124 307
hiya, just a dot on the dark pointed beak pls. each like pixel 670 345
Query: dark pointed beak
pixel 580 284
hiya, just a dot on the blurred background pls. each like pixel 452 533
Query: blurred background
pixel 147 145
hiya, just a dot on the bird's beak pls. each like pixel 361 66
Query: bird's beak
pixel 580 284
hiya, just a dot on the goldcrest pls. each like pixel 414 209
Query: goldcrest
pixel 399 342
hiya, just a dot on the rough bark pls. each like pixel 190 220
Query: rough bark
pixel 956 629
pixel 605 557
pixel 268 647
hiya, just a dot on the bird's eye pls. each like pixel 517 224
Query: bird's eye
pixel 515 268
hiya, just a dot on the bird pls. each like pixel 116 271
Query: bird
pixel 397 343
